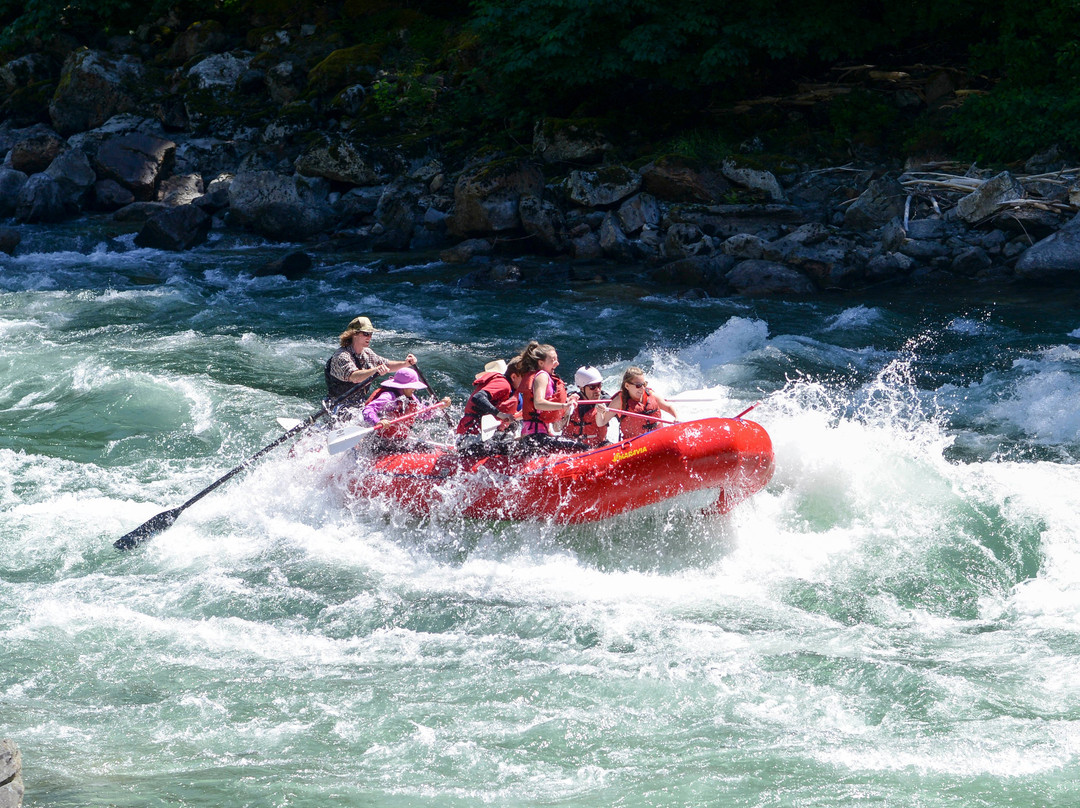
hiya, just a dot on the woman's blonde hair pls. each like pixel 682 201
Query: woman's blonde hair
pixel 346 336
pixel 632 372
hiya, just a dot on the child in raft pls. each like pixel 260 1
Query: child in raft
pixel 394 398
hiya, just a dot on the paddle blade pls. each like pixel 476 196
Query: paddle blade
pixel 289 423
pixel 347 438
pixel 488 425
pixel 163 521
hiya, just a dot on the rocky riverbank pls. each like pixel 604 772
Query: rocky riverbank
pixel 11 782
pixel 157 149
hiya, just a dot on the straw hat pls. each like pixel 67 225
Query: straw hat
pixel 361 324
pixel 497 366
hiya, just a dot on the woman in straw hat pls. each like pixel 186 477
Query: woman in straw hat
pixel 354 362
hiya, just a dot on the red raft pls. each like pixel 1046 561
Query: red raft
pixel 729 459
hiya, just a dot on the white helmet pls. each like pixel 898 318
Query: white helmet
pixel 587 374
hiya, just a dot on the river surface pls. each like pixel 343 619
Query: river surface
pixel 893 621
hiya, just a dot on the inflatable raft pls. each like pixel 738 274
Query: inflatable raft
pixel 728 459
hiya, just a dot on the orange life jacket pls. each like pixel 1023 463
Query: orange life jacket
pixel 582 424
pixel 632 427
pixel 529 413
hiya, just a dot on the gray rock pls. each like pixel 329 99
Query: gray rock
pixel 757 179
pixel 26 70
pixel 923 250
pixel 93 87
pixel 42 199
pixel 340 160
pixel 180 189
pixel 72 170
pixel 1033 223
pixel 544 222
pixel 138 212
pixel 9 240
pixel 680 180
pixel 218 73
pixel 466 250
pixel 638 211
pixel 486 199
pixel 971 261
pixel 889 266
pixel 111 195
pixel 707 271
pixel 293 266
pixel 989 198
pixel 892 236
pixel 586 246
pixel 11 183
pixel 277 206
pixel 744 246
pixel 1056 256
pixel 882 200
pixel 136 161
pixel 603 188
pixel 682 240
pixel 725 221
pixel 175 229
pixel 928 228
pixel 396 213
pixel 613 241
pixel 562 141
pixel 762 278
pixel 11 780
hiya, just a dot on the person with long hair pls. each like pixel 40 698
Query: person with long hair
pixel 635 397
pixel 544 402
pixel 354 362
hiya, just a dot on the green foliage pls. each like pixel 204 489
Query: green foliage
pixel 864 118
pixel 1013 123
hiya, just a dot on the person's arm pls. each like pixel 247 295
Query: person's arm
pixel 665 406
pixel 374 409
pixel 363 374
pixel 540 399
pixel 482 403
pixel 394 365
pixel 604 415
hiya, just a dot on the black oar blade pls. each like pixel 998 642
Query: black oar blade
pixel 163 521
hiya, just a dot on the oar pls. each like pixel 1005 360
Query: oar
pixel 641 415
pixel 289 423
pixel 345 439
pixel 420 375
pixel 164 520
pixel 741 414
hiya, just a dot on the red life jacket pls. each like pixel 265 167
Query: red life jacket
pixel 582 424
pixel 502 396
pixel 401 405
pixel 529 412
pixel 632 427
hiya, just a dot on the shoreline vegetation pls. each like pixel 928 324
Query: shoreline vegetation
pixel 466 131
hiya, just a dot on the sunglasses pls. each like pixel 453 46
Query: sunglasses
pixel 591 387
pixel 365 333
pixel 638 385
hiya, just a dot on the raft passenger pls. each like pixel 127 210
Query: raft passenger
pixel 636 397
pixel 394 398
pixel 354 362
pixel 544 402
pixel 581 424
pixel 493 394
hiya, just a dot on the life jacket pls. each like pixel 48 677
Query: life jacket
pixel 401 405
pixel 502 396
pixel 336 388
pixel 632 427
pixel 582 424
pixel 541 418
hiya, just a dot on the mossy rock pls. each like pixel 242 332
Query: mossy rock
pixel 344 67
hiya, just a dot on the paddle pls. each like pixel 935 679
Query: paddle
pixel 420 375
pixel 165 519
pixel 345 439
pixel 289 423
pixel 741 414
pixel 641 415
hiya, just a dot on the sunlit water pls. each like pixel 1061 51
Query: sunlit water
pixel 894 621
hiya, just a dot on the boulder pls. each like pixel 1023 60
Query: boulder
pixel 277 206
pixel 761 278
pixel 464 251
pixel 198 38
pixel 11 781
pixel 219 73
pixel 338 159
pixel 175 229
pixel 486 200
pixel 638 211
pixel 1056 256
pixel 1033 223
pixel 11 183
pixel 138 212
pixel 93 87
pixel 682 240
pixel 586 246
pixel 989 198
pixel 603 188
pixel 33 154
pixel 707 271
pixel 757 179
pixel 613 241
pixel 888 266
pixel 42 199
pixel 72 170
pixel 180 189
pixel 744 246
pixel 544 222
pixel 136 161
pixel 882 200
pixel 9 239
pixel 111 195
pixel 293 266
pixel 971 261
pixel 677 179
pixel 26 70
pixel 396 213
pixel 725 221
pixel 286 80
pixel 566 141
